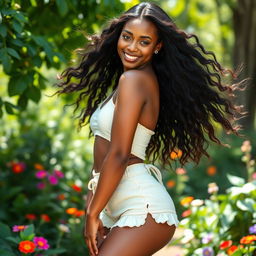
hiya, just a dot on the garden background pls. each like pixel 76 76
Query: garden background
pixel 45 162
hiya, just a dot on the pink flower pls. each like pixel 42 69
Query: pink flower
pixel 58 173
pixel 53 179
pixel 181 171
pixel 18 228
pixel 41 243
pixel 40 185
pixel 41 174
pixel 254 176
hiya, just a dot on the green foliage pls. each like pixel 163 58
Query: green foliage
pixel 34 34
pixel 41 140
pixel 223 217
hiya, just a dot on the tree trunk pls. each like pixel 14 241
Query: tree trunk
pixel 244 17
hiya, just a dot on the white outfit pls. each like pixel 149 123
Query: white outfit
pixel 138 192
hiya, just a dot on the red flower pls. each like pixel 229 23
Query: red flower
pixel 186 213
pixel 79 213
pixel 30 216
pixel 76 188
pixel 232 249
pixel 61 197
pixel 225 244
pixel 27 247
pixel 18 167
pixel 45 217
pixel 248 239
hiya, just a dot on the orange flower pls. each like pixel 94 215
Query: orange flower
pixel 79 213
pixel 211 170
pixel 76 188
pixel 30 216
pixel 38 167
pixel 71 211
pixel 186 213
pixel 232 249
pixel 61 197
pixel 186 200
pixel 27 247
pixel 225 244
pixel 177 153
pixel 248 239
pixel 170 183
pixel 45 217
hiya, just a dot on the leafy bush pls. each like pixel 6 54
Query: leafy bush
pixel 224 223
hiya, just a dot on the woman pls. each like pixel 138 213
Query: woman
pixel 165 94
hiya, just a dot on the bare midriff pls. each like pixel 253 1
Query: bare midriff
pixel 100 150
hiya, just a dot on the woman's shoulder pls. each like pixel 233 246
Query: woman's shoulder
pixel 135 77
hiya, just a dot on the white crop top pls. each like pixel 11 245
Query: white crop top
pixel 101 124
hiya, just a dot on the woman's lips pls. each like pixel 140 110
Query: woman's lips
pixel 130 58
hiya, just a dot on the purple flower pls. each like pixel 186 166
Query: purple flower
pixel 53 179
pixel 18 228
pixel 208 251
pixel 207 238
pixel 41 243
pixel 58 173
pixel 41 174
pixel 252 229
pixel 40 185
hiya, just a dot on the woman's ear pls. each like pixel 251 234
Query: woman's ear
pixel 159 46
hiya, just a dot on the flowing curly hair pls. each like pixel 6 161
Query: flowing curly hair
pixel 193 95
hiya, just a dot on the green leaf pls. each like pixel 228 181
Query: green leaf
pixel 17 27
pixel 17 42
pixel 1 112
pixel 246 205
pixel 3 30
pixel 28 233
pixel 23 101
pixel 62 7
pixel 6 60
pixel 34 94
pixel 9 107
pixel 37 61
pixel 55 251
pixel 13 53
pixel 20 17
pixel 12 239
pixel 17 86
pixel 5 231
pixel 234 180
pixel 6 253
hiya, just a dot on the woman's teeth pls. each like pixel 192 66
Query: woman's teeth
pixel 131 58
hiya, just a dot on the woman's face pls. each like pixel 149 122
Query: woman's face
pixel 137 43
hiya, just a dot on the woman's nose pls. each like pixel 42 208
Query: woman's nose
pixel 132 46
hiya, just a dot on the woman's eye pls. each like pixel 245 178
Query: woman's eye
pixel 144 42
pixel 125 37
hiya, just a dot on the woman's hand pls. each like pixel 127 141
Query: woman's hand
pixel 93 231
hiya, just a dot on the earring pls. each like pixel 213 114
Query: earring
pixel 156 51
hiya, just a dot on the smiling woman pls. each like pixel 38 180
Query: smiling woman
pixel 165 94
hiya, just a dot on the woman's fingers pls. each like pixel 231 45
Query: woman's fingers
pixel 91 246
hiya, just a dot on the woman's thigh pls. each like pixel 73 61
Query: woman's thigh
pixel 137 241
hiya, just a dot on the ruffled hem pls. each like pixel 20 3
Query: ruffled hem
pixel 139 220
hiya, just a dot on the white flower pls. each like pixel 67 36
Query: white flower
pixel 64 228
pixel 212 188
pixel 188 236
pixel 197 202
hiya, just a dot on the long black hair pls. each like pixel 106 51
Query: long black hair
pixel 192 93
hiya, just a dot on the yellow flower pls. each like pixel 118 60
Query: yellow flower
pixel 186 200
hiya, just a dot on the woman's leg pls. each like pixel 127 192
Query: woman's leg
pixel 137 241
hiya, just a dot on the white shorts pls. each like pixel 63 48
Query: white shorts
pixel 137 194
